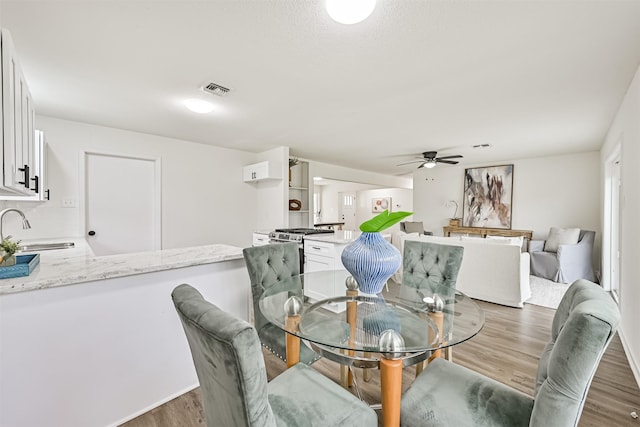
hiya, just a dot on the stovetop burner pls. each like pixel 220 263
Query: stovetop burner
pixel 304 231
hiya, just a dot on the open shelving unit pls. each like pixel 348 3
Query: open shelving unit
pixel 299 190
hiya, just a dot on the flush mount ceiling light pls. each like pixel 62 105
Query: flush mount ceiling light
pixel 198 105
pixel 350 11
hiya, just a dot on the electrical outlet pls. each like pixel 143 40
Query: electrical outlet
pixel 69 203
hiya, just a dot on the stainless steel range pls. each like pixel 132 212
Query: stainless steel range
pixel 294 234
pixel 284 235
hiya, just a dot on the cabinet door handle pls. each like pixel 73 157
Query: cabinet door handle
pixel 48 195
pixel 25 169
pixel 317 248
pixel 36 184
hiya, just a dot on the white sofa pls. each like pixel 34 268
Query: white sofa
pixel 494 270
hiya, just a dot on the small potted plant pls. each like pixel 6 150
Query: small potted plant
pixel 292 162
pixel 8 248
pixel 454 221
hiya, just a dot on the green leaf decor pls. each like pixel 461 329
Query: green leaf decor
pixel 383 221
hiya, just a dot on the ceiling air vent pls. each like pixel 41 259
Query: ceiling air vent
pixel 215 89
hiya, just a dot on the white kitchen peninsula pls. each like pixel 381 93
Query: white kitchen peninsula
pixel 95 341
pixel 323 251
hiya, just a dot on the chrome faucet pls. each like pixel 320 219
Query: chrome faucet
pixel 25 221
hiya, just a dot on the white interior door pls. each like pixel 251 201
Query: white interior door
pixel 347 210
pixel 122 204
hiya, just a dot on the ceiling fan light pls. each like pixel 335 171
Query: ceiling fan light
pixel 430 164
pixel 350 11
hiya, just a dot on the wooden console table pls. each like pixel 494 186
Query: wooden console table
pixel 483 232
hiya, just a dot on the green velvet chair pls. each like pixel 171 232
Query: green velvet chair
pixel 267 265
pixel 430 268
pixel 451 395
pixel 230 367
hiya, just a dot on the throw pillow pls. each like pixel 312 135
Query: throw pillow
pixel 561 236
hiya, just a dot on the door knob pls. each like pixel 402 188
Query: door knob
pixel 91 233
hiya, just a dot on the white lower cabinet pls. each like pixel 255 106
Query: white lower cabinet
pixel 260 239
pixel 324 256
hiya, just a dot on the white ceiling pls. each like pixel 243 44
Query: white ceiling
pixel 531 78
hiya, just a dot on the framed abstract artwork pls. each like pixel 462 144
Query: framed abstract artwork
pixel 381 204
pixel 487 197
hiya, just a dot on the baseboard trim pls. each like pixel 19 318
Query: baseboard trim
pixel 154 405
pixel 633 363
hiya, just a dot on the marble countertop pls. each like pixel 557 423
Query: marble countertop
pixel 58 269
pixel 339 236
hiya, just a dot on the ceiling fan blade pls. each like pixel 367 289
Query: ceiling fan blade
pixel 449 162
pixel 411 161
pixel 456 156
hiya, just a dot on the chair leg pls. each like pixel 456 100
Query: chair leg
pixel 345 373
pixel 448 354
pixel 366 372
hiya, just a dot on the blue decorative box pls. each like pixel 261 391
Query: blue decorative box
pixel 23 267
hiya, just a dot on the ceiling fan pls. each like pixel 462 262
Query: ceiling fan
pixel 429 160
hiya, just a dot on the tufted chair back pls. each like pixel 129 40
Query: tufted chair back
pixel 582 328
pixel 267 265
pixel 430 268
pixel 227 357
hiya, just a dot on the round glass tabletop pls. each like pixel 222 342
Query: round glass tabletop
pixel 402 321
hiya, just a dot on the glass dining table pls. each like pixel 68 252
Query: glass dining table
pixel 405 326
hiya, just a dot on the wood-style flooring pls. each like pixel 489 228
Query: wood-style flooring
pixel 507 349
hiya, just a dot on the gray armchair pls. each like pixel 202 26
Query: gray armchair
pixel 568 264
pixel 451 395
pixel 267 265
pixel 233 379
pixel 414 227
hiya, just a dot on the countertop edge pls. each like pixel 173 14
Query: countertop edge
pixel 75 270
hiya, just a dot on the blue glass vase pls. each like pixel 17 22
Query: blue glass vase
pixel 371 260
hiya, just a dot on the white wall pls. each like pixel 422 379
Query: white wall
pixel 626 128
pixel 204 199
pixel 560 191
pixel 401 200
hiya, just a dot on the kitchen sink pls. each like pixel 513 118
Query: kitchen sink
pixel 36 247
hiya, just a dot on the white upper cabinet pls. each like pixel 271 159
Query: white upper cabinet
pixel 38 190
pixel 262 171
pixel 18 144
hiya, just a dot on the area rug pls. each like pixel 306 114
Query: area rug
pixel 545 292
